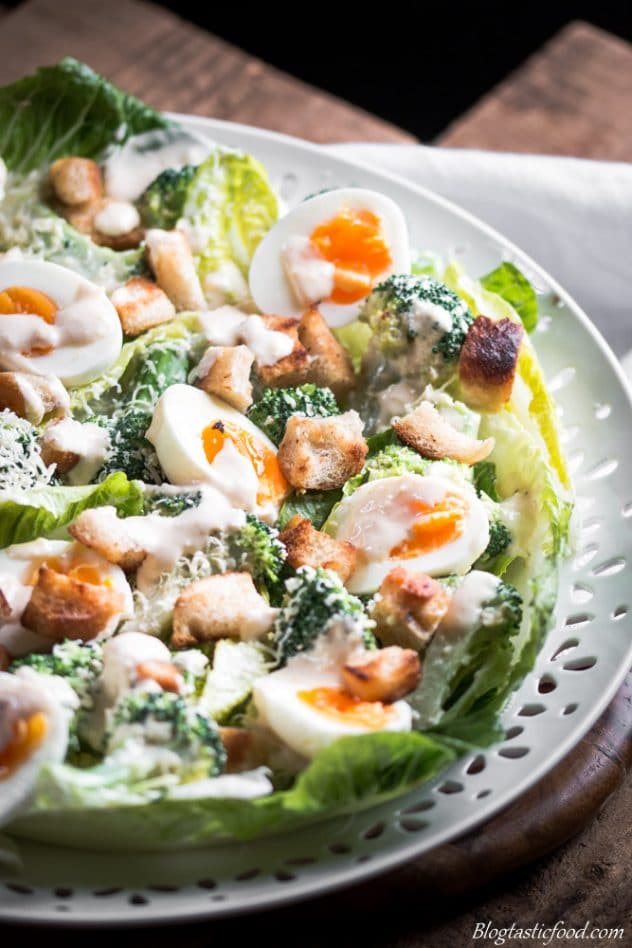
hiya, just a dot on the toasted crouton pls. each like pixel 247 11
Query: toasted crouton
pixel 172 262
pixel 83 217
pixel 409 608
pixel 33 396
pixel 5 659
pixel 322 453
pixel 53 453
pixel 222 606
pixel 102 531
pixel 61 607
pixel 433 437
pixel 76 180
pixel 225 371
pixel 384 675
pixel 307 546
pixel 291 369
pixel 246 748
pixel 487 363
pixel 329 363
pixel 141 305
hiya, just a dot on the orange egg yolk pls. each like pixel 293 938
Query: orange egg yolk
pixel 24 300
pixel 74 569
pixel 273 486
pixel 353 241
pixel 343 707
pixel 433 527
pixel 28 734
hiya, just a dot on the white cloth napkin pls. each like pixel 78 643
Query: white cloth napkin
pixel 573 216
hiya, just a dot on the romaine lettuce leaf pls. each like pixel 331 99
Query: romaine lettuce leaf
pixel 351 774
pixel 229 207
pixel 66 109
pixel 46 511
pixel 510 283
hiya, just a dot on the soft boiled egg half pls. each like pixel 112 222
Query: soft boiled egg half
pixel 200 439
pixel 19 565
pixel 329 251
pixel 307 707
pixel 33 732
pixel 54 322
pixel 430 524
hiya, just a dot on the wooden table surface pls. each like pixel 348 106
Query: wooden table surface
pixel 572 97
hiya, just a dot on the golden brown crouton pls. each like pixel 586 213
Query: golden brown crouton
pixel 63 460
pixel 141 305
pixel 165 674
pixel 291 369
pixel 172 262
pixel 61 607
pixel 225 371
pixel 5 659
pixel 487 363
pixel 218 607
pixel 322 453
pixel 307 546
pixel 102 531
pixel 246 748
pixel 409 608
pixel 32 396
pixel 387 674
pixel 83 218
pixel 76 180
pixel 433 437
pixel 329 363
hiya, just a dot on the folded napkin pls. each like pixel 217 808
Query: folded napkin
pixel 573 216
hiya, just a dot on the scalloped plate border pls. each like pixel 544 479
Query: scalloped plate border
pixel 582 663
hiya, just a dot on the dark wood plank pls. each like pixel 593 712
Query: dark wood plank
pixel 572 97
pixel 175 65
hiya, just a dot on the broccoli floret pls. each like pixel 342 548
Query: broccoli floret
pixel 499 540
pixel 165 720
pixel 21 464
pixel 162 203
pixel 146 378
pixel 80 663
pixel 276 405
pixel 313 599
pixel 418 325
pixel 391 461
pixel 257 549
pixel 503 612
pixel 170 504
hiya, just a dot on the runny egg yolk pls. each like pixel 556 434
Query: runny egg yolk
pixel 25 301
pixel 343 707
pixel 353 241
pixel 28 734
pixel 273 486
pixel 82 572
pixel 433 527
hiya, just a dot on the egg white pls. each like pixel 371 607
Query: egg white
pixel 180 417
pixel 17 563
pixel 21 696
pixel 375 519
pixel 269 286
pixel 302 727
pixel 74 364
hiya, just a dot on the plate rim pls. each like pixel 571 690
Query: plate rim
pixel 348 875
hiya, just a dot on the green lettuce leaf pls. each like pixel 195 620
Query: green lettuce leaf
pixel 314 505
pixel 229 207
pixel 510 283
pixel 351 774
pixel 66 109
pixel 46 511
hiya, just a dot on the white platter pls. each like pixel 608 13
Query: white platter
pixel 579 669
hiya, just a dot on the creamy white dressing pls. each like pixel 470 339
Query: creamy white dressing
pixel 88 441
pixel 310 276
pixel 244 786
pixel 205 364
pixel 225 284
pixel 229 326
pixel 233 473
pixel 396 399
pixel 133 167
pixel 191 661
pixel 166 539
pixel 121 656
pixel 466 605
pixel 117 218
pixel 34 405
